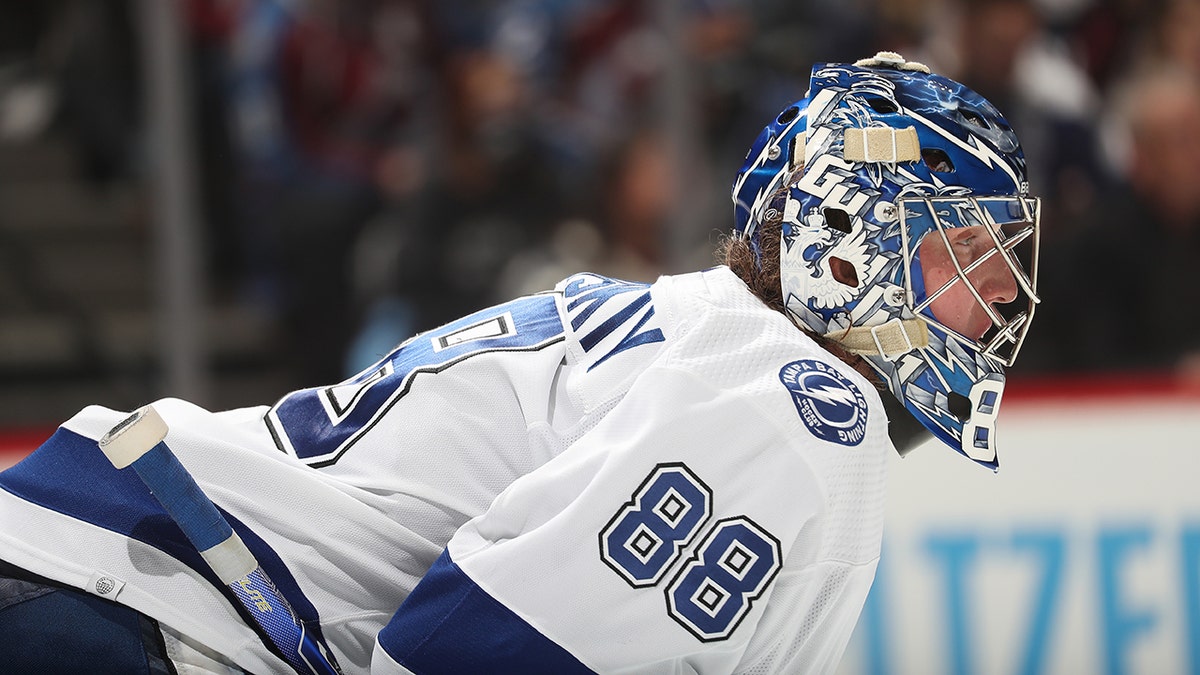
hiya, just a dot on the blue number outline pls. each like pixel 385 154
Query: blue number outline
pixel 635 505
pixel 699 561
pixel 544 329
pixel 761 564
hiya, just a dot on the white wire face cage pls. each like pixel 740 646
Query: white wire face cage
pixel 1013 225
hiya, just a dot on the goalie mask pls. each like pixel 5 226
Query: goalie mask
pixel 907 236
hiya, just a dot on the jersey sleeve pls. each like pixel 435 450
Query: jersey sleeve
pixel 654 543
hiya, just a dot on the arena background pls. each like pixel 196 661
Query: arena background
pixel 1081 555
pixel 222 200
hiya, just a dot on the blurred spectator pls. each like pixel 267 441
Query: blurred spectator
pixel 489 196
pixel 626 237
pixel 91 49
pixel 425 157
pixel 209 24
pixel 1128 282
pixel 495 194
pixel 1167 34
pixel 1007 55
pixel 28 90
pixel 1108 36
pixel 319 97
pixel 1005 52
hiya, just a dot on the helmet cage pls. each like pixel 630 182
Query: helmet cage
pixel 1014 226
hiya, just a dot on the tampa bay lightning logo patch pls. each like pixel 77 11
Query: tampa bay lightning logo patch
pixel 829 403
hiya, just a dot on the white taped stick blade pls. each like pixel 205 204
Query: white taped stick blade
pixel 133 437
pixel 230 559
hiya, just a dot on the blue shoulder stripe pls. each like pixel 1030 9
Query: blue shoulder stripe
pixel 450 625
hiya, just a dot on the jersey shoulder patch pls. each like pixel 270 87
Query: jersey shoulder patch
pixel 829 403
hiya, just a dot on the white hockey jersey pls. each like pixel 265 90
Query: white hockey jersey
pixel 610 477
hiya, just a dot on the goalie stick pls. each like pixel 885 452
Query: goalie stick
pixel 137 441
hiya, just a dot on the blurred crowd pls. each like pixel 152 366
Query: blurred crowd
pixel 370 168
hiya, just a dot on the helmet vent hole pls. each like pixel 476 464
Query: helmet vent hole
pixel 882 105
pixel 960 406
pixel 837 219
pixel 937 160
pixel 788 115
pixel 972 117
pixel 843 271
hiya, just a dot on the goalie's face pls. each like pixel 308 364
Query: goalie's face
pixel 971 250
pixel 973 267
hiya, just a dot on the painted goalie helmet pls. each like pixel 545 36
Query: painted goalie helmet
pixel 906 235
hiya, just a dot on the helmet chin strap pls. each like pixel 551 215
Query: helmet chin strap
pixel 888 340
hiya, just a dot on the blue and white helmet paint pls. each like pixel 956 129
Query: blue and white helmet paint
pixel 878 157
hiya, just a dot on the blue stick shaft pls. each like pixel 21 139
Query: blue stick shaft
pixel 205 527
pixel 183 499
